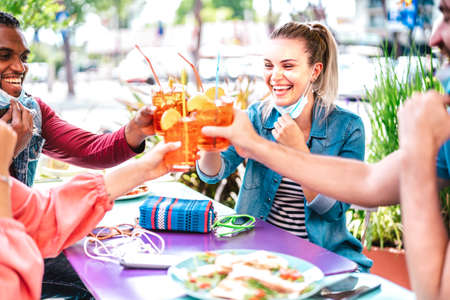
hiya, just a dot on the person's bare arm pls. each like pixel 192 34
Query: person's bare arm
pixel 287 132
pixel 8 138
pixel 348 180
pixel 137 171
pixel 425 236
pixel 210 163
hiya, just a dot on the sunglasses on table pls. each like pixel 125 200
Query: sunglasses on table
pixel 232 225
pixel 107 232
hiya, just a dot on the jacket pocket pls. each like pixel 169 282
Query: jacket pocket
pixel 254 175
pixel 36 145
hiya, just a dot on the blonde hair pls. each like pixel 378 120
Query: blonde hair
pixel 321 47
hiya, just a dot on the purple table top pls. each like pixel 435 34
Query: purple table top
pixel 112 281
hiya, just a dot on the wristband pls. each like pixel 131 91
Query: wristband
pixel 5 179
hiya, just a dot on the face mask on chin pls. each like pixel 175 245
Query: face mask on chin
pixel 295 110
pixel 5 99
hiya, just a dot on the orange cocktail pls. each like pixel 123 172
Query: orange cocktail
pixel 171 97
pixel 186 130
pixel 221 114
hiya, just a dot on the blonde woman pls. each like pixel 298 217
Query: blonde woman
pixel 300 70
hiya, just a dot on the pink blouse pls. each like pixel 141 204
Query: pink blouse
pixel 43 224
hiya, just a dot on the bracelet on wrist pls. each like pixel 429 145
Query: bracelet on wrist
pixel 5 179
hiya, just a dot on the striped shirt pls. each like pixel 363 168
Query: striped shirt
pixel 288 208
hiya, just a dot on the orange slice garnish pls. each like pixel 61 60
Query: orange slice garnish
pixel 200 102
pixel 171 82
pixel 169 118
pixel 211 93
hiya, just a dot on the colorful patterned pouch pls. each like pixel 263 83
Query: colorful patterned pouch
pixel 165 213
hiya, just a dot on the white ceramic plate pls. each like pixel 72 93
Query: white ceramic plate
pixel 178 272
pixel 138 195
pixel 71 171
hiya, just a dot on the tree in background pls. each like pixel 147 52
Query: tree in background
pixel 198 25
pixel 32 13
pixel 120 11
pixel 312 12
pixel 237 7
pixel 66 15
pixel 271 18
pixel 36 14
pixel 210 11
pixel 213 10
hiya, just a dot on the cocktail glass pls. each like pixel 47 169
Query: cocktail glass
pixel 187 131
pixel 171 97
pixel 220 115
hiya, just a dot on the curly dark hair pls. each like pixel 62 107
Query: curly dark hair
pixel 8 20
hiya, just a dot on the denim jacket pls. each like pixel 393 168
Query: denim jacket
pixel 443 161
pixel 340 134
pixel 24 165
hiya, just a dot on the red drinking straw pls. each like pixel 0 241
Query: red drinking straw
pixel 151 67
pixel 197 77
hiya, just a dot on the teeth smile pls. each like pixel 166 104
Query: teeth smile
pixel 13 80
pixel 280 88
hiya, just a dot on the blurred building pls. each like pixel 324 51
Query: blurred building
pixel 396 23
pixel 399 24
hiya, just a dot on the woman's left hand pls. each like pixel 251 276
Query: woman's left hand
pixel 288 133
pixel 154 159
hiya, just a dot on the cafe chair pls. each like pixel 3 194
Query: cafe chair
pixel 369 211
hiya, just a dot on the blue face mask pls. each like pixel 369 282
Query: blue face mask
pixel 443 75
pixel 294 110
pixel 5 98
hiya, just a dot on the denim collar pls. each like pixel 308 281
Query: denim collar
pixel 318 127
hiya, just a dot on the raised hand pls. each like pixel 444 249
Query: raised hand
pixel 288 133
pixel 21 120
pixel 424 122
pixel 240 133
pixel 137 171
pixel 140 127
pixel 154 159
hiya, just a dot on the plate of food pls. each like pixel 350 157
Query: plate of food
pixel 139 191
pixel 56 168
pixel 246 274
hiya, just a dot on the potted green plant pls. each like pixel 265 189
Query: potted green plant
pixel 383 235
